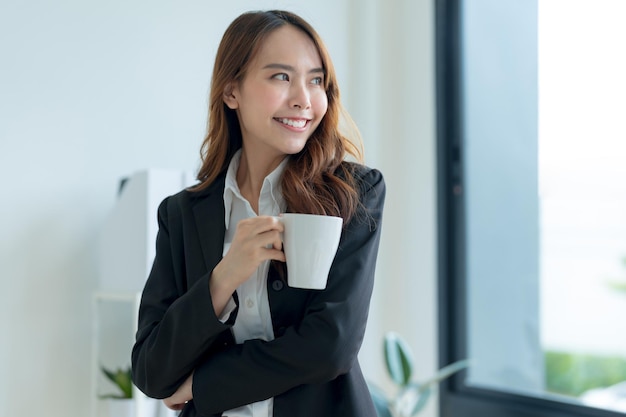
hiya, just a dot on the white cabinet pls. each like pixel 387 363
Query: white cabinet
pixel 125 254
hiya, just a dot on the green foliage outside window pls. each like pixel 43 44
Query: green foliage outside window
pixel 572 374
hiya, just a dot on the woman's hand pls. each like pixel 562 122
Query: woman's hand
pixel 182 395
pixel 256 239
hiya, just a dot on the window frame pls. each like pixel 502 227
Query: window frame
pixel 455 398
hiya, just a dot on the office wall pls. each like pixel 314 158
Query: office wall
pixel 91 92
pixel 392 99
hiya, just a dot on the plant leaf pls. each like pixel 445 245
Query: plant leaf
pixel 411 400
pixel 445 372
pixel 398 358
pixel 110 375
pixel 112 396
pixel 122 379
pixel 381 404
pixel 125 383
pixel 421 402
pixel 618 286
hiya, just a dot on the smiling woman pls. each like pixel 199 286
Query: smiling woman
pixel 92 92
pixel 217 308
pixel 281 100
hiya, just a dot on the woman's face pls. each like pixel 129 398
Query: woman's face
pixel 281 100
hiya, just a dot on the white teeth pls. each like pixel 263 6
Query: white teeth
pixel 294 123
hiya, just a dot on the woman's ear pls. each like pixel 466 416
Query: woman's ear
pixel 229 96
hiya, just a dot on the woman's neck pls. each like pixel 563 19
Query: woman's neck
pixel 251 174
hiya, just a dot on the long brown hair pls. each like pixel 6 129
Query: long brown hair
pixel 315 180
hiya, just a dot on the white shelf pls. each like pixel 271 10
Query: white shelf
pixel 119 324
pixel 126 328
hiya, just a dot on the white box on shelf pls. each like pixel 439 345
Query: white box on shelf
pixel 127 241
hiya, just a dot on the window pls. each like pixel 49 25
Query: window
pixel 532 203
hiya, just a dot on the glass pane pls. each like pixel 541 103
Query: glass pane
pixel 582 190
pixel 545 197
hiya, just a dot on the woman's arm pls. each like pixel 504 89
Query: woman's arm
pixel 176 325
pixel 324 344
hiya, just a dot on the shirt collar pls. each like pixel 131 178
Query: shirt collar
pixel 270 189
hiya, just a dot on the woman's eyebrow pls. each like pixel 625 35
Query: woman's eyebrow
pixel 290 68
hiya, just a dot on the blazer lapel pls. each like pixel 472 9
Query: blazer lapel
pixel 208 210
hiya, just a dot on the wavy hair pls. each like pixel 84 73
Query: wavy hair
pixel 316 180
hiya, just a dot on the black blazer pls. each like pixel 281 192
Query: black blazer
pixel 310 368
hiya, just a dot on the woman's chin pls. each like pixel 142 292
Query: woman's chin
pixel 293 148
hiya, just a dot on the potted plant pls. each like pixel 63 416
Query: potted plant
pixel 410 396
pixel 120 404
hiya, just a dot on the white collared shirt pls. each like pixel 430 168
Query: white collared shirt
pixel 253 319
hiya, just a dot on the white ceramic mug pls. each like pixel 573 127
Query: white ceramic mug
pixel 310 243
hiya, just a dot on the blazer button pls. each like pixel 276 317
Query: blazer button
pixel 277 285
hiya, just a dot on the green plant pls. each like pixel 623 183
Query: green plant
pixel 121 378
pixel 410 397
pixel 573 373
pixel 619 285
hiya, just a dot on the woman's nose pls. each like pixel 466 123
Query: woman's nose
pixel 300 96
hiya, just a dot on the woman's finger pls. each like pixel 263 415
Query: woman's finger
pixel 275 255
pixel 259 224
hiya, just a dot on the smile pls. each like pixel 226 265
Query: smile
pixel 298 123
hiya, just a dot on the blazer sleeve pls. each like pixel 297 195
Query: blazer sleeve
pixel 177 326
pixel 324 344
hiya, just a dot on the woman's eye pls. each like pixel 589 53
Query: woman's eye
pixel 281 77
pixel 317 81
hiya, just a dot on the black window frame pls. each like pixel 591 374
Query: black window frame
pixel 455 398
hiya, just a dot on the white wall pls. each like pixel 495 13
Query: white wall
pixel 401 116
pixel 91 92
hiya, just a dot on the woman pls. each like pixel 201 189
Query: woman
pixel 220 332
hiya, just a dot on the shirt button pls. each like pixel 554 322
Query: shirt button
pixel 277 285
pixel 249 302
